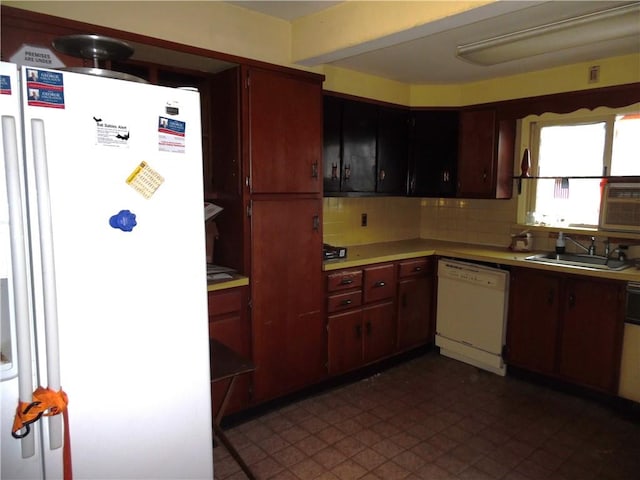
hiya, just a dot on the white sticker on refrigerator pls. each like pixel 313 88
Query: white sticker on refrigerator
pixel 111 134
pixel 171 135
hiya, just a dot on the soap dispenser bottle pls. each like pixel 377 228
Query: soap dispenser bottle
pixel 560 243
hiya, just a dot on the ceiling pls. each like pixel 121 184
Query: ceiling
pixel 427 54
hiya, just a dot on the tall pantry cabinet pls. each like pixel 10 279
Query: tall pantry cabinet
pixel 282 151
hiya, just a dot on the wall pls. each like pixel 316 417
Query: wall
pixel 388 219
pixel 222 27
pixel 212 25
pixel 487 222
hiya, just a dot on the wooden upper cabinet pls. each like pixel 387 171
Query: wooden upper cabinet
pixel 433 153
pixel 359 131
pixel 332 144
pixel 365 148
pixel 284 131
pixel 486 149
pixel 393 156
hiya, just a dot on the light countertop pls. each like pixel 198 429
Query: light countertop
pixel 360 255
pixel 235 281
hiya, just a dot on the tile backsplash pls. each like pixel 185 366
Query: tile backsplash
pixel 486 222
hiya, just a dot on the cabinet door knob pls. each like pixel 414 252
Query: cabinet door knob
pixel 381 175
pixel 572 300
pixel 316 223
pixel 358 331
pixel 314 170
pixel 369 328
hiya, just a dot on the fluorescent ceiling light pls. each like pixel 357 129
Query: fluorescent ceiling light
pixel 611 24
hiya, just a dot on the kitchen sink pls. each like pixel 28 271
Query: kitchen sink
pixel 580 260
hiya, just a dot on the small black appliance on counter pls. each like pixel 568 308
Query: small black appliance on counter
pixel 329 252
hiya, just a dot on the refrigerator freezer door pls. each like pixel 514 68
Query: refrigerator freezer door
pixel 20 459
pixel 131 303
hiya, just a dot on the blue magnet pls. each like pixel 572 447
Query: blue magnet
pixel 124 220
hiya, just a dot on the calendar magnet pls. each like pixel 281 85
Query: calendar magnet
pixel 145 180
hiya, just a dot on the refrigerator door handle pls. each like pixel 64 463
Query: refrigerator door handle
pixel 19 271
pixel 48 272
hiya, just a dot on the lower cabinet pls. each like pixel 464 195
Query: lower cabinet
pixel 364 331
pixel 566 326
pixel 229 324
pixel 416 304
pixel 376 311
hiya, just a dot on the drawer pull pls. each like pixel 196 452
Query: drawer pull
pixel 346 302
pixel 417 269
pixel 381 283
pixel 346 281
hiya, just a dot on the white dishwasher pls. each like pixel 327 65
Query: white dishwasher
pixel 472 313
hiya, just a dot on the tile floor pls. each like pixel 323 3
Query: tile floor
pixel 436 418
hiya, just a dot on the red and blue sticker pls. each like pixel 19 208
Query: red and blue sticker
pixel 5 85
pixel 171 135
pixel 45 88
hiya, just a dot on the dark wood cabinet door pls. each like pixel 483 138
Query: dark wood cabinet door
pixel 477 152
pixel 286 281
pixel 359 130
pixel 285 132
pixel 592 329
pixel 415 302
pixel 532 328
pixel 433 150
pixel 485 160
pixel 392 151
pixel 332 144
pixel 378 329
pixel 344 342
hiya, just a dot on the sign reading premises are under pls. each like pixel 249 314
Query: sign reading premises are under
pixel 45 88
pixel 36 56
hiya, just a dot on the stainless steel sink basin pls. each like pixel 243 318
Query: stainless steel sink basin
pixel 579 260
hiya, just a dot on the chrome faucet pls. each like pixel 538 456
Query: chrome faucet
pixel 591 249
pixel 619 250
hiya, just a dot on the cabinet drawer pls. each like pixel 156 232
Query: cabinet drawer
pixel 344 280
pixel 412 268
pixel 223 303
pixel 379 283
pixel 342 301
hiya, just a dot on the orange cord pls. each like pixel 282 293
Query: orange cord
pixel 46 403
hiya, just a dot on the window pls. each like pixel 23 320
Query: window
pixel 571 154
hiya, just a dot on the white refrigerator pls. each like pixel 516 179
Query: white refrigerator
pixel 103 277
